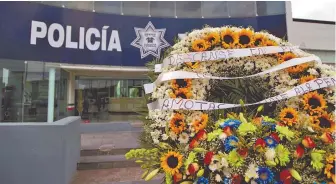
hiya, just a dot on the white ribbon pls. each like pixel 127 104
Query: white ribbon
pixel 149 88
pixel 214 55
pixel 188 104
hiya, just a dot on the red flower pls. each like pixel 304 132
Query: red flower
pixel 243 152
pixel 201 135
pixel 260 143
pixel 208 157
pixel 308 142
pixel 299 151
pixel 275 136
pixel 327 138
pixel 236 179
pixel 193 168
pixel 227 131
pixel 193 144
pixel 286 177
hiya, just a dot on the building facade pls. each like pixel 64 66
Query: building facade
pixel 88 58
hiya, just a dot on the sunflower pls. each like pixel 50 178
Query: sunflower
pixel 288 116
pixel 213 38
pixel 324 122
pixel 314 102
pixel 307 78
pixel 259 40
pixel 202 123
pixel 193 65
pixel 229 38
pixel 171 162
pixel 271 43
pixel 177 123
pixel 246 38
pixel 200 45
pixel 329 170
pixel 294 69
pixel 181 93
pixel 181 83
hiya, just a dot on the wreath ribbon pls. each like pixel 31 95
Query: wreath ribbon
pixel 214 55
pixel 149 88
pixel 189 104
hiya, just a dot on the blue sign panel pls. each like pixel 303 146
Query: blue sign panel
pixel 33 31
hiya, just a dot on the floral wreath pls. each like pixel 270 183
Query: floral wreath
pixel 287 141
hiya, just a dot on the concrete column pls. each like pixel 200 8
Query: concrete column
pixel 51 95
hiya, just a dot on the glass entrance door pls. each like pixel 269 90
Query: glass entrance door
pixel 107 100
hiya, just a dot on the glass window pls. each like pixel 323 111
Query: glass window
pixel 188 9
pixel 135 8
pixel 242 8
pixel 80 5
pixel 162 8
pixel 270 7
pixel 53 3
pixel 108 6
pixel 214 9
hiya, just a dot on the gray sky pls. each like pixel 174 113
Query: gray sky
pixel 314 9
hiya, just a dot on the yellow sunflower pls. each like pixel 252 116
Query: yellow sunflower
pixel 181 83
pixel 229 38
pixel 314 103
pixel 200 45
pixel 329 169
pixel 294 69
pixel 193 65
pixel 213 38
pixel 259 40
pixel 181 93
pixel 246 38
pixel 171 162
pixel 325 122
pixel 289 116
pixel 177 124
pixel 202 123
pixel 270 43
pixel 307 78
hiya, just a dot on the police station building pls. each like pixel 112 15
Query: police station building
pixel 88 58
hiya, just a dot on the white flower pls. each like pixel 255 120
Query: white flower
pixel 164 137
pixel 224 163
pixel 172 136
pixel 223 136
pixel 184 138
pixel 248 66
pixel 251 172
pixel 156 141
pixel 312 71
pixel 213 167
pixel 270 154
pixel 218 178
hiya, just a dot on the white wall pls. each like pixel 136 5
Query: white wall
pixel 316 38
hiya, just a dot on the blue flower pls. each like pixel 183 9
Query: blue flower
pixel 265 175
pixel 272 125
pixel 270 142
pixel 227 180
pixel 202 180
pixel 232 123
pixel 230 143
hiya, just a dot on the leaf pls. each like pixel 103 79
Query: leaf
pixel 295 174
pixel 152 174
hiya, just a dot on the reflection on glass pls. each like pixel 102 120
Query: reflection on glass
pixel 101 100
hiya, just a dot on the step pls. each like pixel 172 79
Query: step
pixel 97 152
pixel 104 162
pixel 131 175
